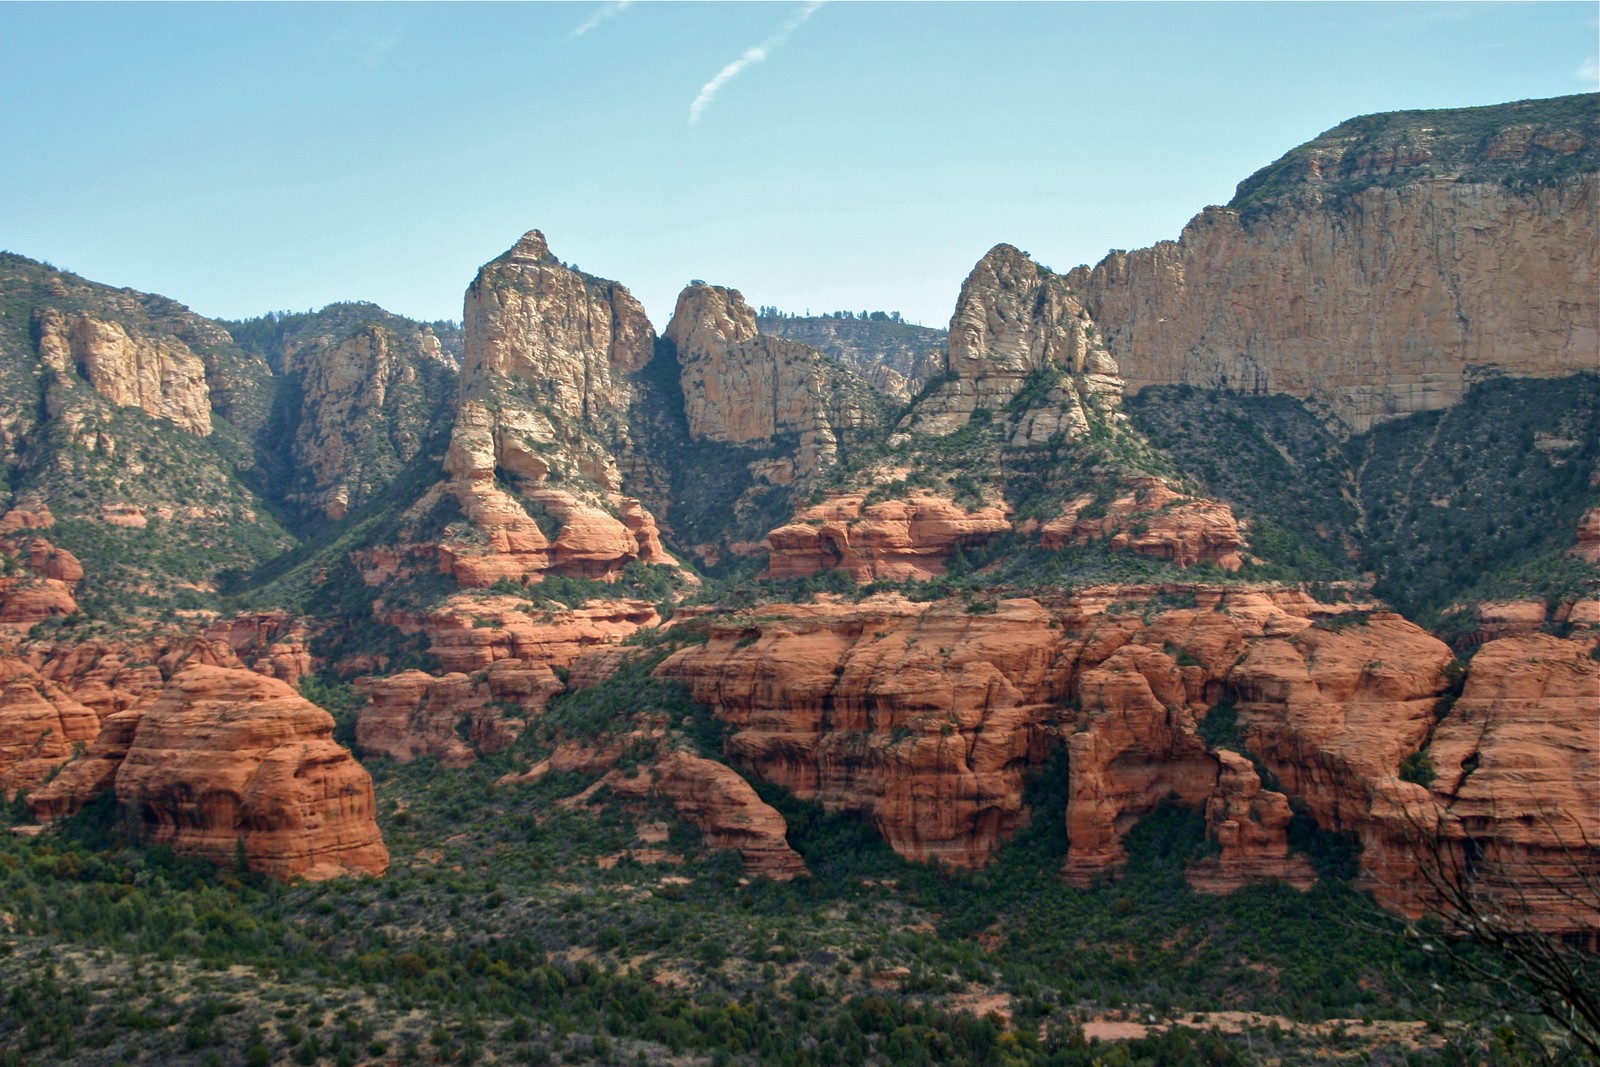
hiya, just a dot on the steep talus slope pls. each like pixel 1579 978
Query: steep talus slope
pixel 1381 268
pixel 1484 501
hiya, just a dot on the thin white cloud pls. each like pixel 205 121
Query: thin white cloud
pixel 380 48
pixel 1589 72
pixel 709 90
pixel 606 13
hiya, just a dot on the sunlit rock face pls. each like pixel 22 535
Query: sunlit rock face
pixel 1380 269
pixel 227 761
pixel 1014 318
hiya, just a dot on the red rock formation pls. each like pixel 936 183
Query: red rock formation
pixel 1333 713
pixel 895 539
pixel 1588 547
pixel 84 778
pixel 707 794
pixel 1518 766
pixel 1140 748
pixel 502 540
pixel 226 757
pixel 48 561
pixel 1154 520
pixel 922 719
pixel 30 518
pixel 724 807
pixel 40 728
pixel 24 602
pixel 273 643
pixel 499 652
pixel 470 632
pixel 44 588
pixel 1505 618
pixel 454 717
pixel 1251 827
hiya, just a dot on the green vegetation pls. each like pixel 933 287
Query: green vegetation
pixel 1447 143
pixel 1477 502
pixel 518 926
pixel 1482 501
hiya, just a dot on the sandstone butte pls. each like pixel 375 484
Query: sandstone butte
pixel 924 720
pixel 106 676
pixel 225 759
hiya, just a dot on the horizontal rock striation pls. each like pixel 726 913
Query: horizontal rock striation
pixel 227 762
pixel 1378 270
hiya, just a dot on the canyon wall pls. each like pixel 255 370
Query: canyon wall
pixel 1380 269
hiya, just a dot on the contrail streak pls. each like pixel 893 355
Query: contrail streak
pixel 606 13
pixel 709 90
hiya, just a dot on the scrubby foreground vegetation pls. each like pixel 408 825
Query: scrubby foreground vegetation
pixel 515 929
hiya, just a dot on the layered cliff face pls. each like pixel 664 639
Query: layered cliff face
pixel 925 718
pixel 498 658
pixel 910 538
pixel 225 760
pixel 544 399
pixel 50 684
pixel 922 720
pixel 159 375
pixel 368 404
pixel 39 580
pixel 746 388
pixel 548 352
pixel 1013 319
pixel 1517 761
pixel 1379 269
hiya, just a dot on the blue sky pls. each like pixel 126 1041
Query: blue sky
pixel 244 158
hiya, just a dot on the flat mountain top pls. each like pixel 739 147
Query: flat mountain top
pixel 1529 142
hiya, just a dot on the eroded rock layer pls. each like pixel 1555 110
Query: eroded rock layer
pixel 227 762
pixel 911 538
pixel 924 718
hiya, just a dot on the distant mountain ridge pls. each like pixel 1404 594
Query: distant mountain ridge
pixel 452 528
